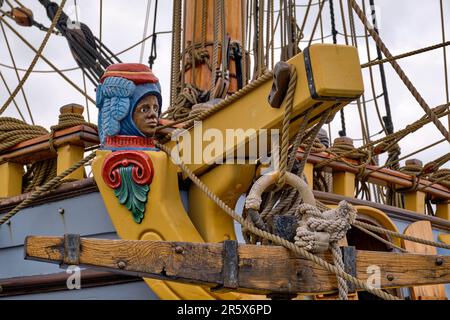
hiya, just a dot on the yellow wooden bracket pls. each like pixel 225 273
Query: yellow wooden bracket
pixel 68 155
pixel 329 77
pixel 443 210
pixel 344 183
pixel 415 201
pixel 10 179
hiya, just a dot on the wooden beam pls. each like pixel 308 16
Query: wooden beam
pixel 260 269
pixel 41 283
pixel 39 148
pixel 381 177
pixel 328 78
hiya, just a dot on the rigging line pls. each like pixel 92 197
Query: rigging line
pixel 9 4
pixel 302 5
pixel 38 71
pixel 192 49
pixel 83 72
pixel 333 22
pixel 85 91
pixel 445 57
pixel 16 72
pixel 405 55
pixel 9 92
pixel 19 3
pixel 144 33
pixel 370 100
pixel 321 27
pixel 371 136
pixel 356 36
pixel 316 23
pixel 176 39
pixel 407 156
pixel 401 73
pixel 272 33
pixel 36 57
pixel 215 54
pixel 100 31
pixel 267 55
pixel 45 59
pixel 344 23
pixel 139 42
pixel 388 124
pixel 243 35
pixel 261 66
pixel 153 51
pixel 305 18
pixel 372 81
pixel 183 46
pixel 334 34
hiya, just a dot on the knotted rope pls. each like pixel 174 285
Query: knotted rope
pixel 182 107
pixel 320 231
pixel 14 131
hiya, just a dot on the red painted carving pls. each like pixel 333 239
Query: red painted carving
pixel 142 172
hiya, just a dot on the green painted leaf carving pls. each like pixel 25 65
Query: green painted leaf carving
pixel 131 194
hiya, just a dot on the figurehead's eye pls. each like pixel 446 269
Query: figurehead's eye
pixel 143 109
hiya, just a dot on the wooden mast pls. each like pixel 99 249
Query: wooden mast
pixel 233 26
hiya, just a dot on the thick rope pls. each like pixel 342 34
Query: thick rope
pixel 35 59
pixel 286 125
pixel 51 184
pixel 275 239
pixel 405 55
pixel 319 231
pixel 402 236
pixel 397 136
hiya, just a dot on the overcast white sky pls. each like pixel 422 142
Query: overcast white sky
pixel 404 25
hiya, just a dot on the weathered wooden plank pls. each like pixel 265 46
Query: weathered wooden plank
pixel 261 269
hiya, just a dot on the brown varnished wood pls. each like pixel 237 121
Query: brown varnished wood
pixel 382 177
pixel 262 269
pixel 38 148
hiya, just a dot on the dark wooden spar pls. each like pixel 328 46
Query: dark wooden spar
pixel 237 267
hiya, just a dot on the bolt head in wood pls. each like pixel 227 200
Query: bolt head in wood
pixel 390 277
pixel 179 249
pixel 121 264
pixel 439 261
pixel 414 162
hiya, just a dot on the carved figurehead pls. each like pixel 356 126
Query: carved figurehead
pixel 129 101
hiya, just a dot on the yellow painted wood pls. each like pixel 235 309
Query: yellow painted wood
pixel 309 173
pixel 68 155
pixel 443 211
pixel 252 111
pixel 415 201
pixel 445 238
pixel 10 179
pixel 228 182
pixel 344 183
pixel 382 218
pixel 165 219
pixel 423 230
